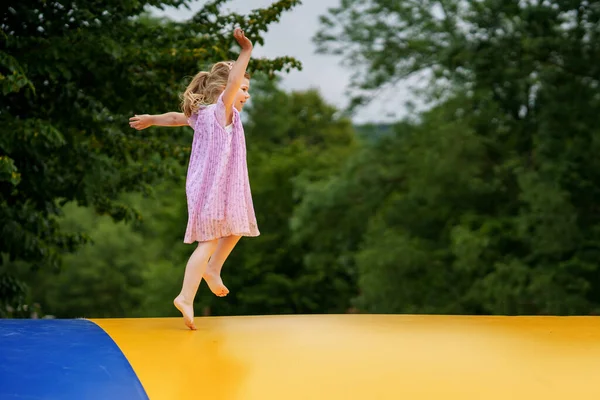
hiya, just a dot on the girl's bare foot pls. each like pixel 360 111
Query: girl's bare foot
pixel 215 284
pixel 187 310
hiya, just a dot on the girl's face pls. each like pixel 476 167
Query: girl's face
pixel 242 95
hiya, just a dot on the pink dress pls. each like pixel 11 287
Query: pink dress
pixel 217 187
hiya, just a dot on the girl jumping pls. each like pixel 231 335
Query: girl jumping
pixel 220 208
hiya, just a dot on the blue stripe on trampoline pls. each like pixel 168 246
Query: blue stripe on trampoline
pixel 63 359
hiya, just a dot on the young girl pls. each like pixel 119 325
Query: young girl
pixel 220 208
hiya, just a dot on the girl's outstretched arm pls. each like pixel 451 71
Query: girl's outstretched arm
pixel 144 121
pixel 236 76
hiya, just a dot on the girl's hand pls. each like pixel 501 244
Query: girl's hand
pixel 242 40
pixel 140 122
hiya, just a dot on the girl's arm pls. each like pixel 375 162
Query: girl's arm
pixel 144 121
pixel 236 76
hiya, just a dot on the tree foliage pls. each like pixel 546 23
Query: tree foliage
pixel 71 75
pixel 493 211
pixel 483 204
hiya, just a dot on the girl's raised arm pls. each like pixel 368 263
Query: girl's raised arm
pixel 144 121
pixel 236 76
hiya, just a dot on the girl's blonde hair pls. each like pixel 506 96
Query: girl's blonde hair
pixel 205 87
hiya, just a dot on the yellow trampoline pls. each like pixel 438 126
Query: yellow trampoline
pixel 310 357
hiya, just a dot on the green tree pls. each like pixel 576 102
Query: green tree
pixel 520 79
pixel 71 76
pixel 103 279
pixel 127 270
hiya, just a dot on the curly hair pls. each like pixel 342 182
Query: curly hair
pixel 205 87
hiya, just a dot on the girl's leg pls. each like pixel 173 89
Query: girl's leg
pixel 194 270
pixel 212 276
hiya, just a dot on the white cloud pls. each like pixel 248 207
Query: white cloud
pixel 292 36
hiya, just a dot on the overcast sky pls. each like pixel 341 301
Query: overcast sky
pixel 292 36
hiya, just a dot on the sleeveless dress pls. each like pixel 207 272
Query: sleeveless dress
pixel 217 186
